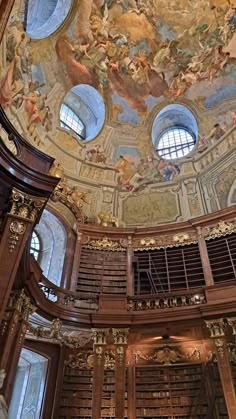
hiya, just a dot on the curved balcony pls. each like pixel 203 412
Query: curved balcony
pixel 126 277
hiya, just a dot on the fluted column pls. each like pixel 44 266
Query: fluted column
pixel 18 226
pixel 120 340
pixel 100 340
pixel 217 333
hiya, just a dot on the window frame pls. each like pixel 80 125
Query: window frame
pixel 75 121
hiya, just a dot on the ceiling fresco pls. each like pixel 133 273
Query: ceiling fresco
pixel 139 56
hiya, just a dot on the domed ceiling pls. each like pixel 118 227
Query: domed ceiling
pixel 135 57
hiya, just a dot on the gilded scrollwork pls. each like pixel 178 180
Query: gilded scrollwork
pixel 168 355
pixel 26 206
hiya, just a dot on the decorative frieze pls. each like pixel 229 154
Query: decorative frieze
pixel 141 304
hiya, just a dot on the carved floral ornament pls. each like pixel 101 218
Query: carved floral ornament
pixel 26 206
pixel 16 229
pixel 105 244
pixel 167 355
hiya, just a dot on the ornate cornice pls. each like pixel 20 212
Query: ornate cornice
pixel 54 333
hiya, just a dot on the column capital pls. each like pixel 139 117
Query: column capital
pixel 232 322
pixel 99 336
pixel 26 206
pixel 216 328
pixel 120 336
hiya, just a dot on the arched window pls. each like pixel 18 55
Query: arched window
pixel 52 238
pixel 35 246
pixel 83 111
pixel 174 132
pixel 43 17
pixel 29 385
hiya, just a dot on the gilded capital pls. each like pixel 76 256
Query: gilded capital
pixel 99 336
pixel 26 206
pixel 216 327
pixel 120 336
pixel 232 322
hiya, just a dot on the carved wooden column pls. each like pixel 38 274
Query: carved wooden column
pixel 76 262
pixel 204 257
pixel 216 328
pixel 17 229
pixel 120 340
pixel 130 274
pixel 100 340
pixel 131 412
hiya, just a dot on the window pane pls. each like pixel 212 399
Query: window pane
pixel 175 143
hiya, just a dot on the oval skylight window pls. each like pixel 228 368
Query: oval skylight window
pixel 174 132
pixel 83 112
pixel 175 143
pixel 43 17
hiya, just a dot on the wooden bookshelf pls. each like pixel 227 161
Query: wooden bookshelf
pixel 222 256
pixel 168 270
pixel 76 398
pixel 169 392
pixel 102 272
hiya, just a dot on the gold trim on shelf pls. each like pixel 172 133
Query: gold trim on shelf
pixel 105 244
pixel 167 355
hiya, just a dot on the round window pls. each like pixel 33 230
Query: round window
pixel 175 143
